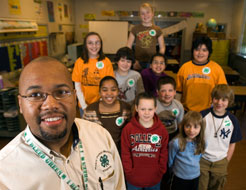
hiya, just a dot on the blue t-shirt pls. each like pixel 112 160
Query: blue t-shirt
pixel 185 165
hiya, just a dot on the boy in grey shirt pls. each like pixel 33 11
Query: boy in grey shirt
pixel 129 81
pixel 169 110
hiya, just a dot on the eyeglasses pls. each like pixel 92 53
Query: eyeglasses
pixel 42 96
pixel 97 43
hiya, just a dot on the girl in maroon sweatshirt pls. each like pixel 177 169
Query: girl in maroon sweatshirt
pixel 144 146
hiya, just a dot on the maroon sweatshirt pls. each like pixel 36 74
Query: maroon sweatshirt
pixel 144 152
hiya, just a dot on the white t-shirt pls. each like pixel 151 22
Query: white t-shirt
pixel 228 131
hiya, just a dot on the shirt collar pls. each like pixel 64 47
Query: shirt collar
pixel 44 148
pixel 222 116
pixel 200 64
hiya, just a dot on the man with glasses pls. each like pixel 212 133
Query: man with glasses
pixel 57 150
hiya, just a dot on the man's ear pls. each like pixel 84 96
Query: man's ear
pixel 20 104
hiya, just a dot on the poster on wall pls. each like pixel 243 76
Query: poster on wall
pixel 14 7
pixel 35 49
pixel 65 11
pixel 185 14
pixel 39 9
pixel 198 14
pixel 122 13
pixel 89 16
pixel 14 54
pixel 43 48
pixel 108 13
pixel 32 50
pixel 10 58
pixel 70 10
pixel 25 53
pixel 60 10
pixel 50 8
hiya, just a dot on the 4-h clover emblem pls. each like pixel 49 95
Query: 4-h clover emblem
pixel 175 111
pixel 99 65
pixel 130 82
pixel 119 121
pixel 152 32
pixel 104 160
pixel 104 163
pixel 227 123
pixel 154 139
pixel 206 70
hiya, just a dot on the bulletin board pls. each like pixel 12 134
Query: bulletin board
pixel 113 33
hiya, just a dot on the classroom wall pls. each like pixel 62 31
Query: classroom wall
pixel 224 11
pixel 30 10
pixel 221 10
pixel 238 22
pixel 38 11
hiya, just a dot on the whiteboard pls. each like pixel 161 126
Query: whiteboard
pixel 114 34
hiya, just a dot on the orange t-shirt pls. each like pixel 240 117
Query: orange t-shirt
pixel 89 75
pixel 196 83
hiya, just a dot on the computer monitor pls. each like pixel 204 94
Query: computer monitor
pixel 74 51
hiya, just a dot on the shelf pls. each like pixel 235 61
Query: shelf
pixel 15 25
pixel 17 30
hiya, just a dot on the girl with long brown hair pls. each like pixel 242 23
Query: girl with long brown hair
pixel 185 152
